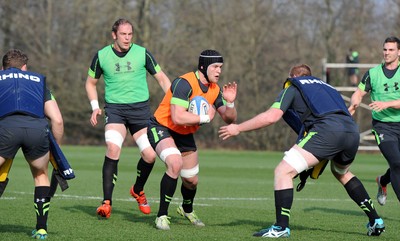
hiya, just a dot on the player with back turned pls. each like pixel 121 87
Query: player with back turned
pixel 26 104
pixel 331 134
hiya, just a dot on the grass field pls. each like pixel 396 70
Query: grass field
pixel 234 199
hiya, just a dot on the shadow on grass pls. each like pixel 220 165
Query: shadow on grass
pixel 326 230
pixel 10 228
pixel 346 212
pixel 132 215
pixel 335 211
pixel 258 225
pixel 89 210
pixel 240 222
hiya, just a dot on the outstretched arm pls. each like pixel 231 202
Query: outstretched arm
pixel 269 117
pixel 381 105
pixel 356 99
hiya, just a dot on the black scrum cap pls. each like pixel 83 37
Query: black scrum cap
pixel 208 57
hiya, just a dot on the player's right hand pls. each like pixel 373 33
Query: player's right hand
pixel 352 109
pixel 93 118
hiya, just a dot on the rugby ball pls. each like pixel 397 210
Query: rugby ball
pixel 198 105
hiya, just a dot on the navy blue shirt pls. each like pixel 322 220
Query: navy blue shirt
pixel 23 121
pixel 291 98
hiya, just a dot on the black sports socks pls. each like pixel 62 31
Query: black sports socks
pixel 188 196
pixel 143 173
pixel 283 204
pixel 357 192
pixel 110 174
pixel 41 203
pixel 167 190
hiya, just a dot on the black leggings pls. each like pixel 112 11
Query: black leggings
pixel 391 152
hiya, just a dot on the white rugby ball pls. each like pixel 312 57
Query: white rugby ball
pixel 198 105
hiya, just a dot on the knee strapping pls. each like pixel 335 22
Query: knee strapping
pixel 143 142
pixel 294 158
pixel 188 173
pixel 338 170
pixel 114 137
pixel 167 152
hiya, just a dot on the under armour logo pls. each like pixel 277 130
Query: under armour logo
pixel 395 86
pixel 118 66
pixel 160 133
pixel 381 137
pixel 40 200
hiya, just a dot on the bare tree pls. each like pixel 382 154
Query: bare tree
pixel 259 39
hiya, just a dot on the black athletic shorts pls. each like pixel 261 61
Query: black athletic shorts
pixel 134 116
pixel 386 131
pixel 33 142
pixel 157 132
pixel 340 147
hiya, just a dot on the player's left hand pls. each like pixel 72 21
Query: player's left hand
pixel 378 105
pixel 228 131
pixel 229 92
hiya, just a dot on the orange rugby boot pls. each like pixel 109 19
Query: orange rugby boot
pixel 144 207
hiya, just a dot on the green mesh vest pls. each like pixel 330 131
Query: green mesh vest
pixel 124 78
pixel 384 89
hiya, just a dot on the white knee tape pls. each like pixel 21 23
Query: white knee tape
pixel 169 151
pixel 294 158
pixel 188 173
pixel 338 170
pixel 143 142
pixel 114 137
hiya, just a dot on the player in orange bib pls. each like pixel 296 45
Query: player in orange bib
pixel 171 130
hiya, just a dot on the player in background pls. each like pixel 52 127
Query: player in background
pixel 172 127
pixel 26 104
pixel 331 134
pixel 352 73
pixel 382 83
pixel 124 66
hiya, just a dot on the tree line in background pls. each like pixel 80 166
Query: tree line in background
pixel 259 39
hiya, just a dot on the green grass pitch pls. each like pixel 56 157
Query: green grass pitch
pixel 235 198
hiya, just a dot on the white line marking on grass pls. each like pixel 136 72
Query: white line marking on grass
pixel 178 199
pixel 9 198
